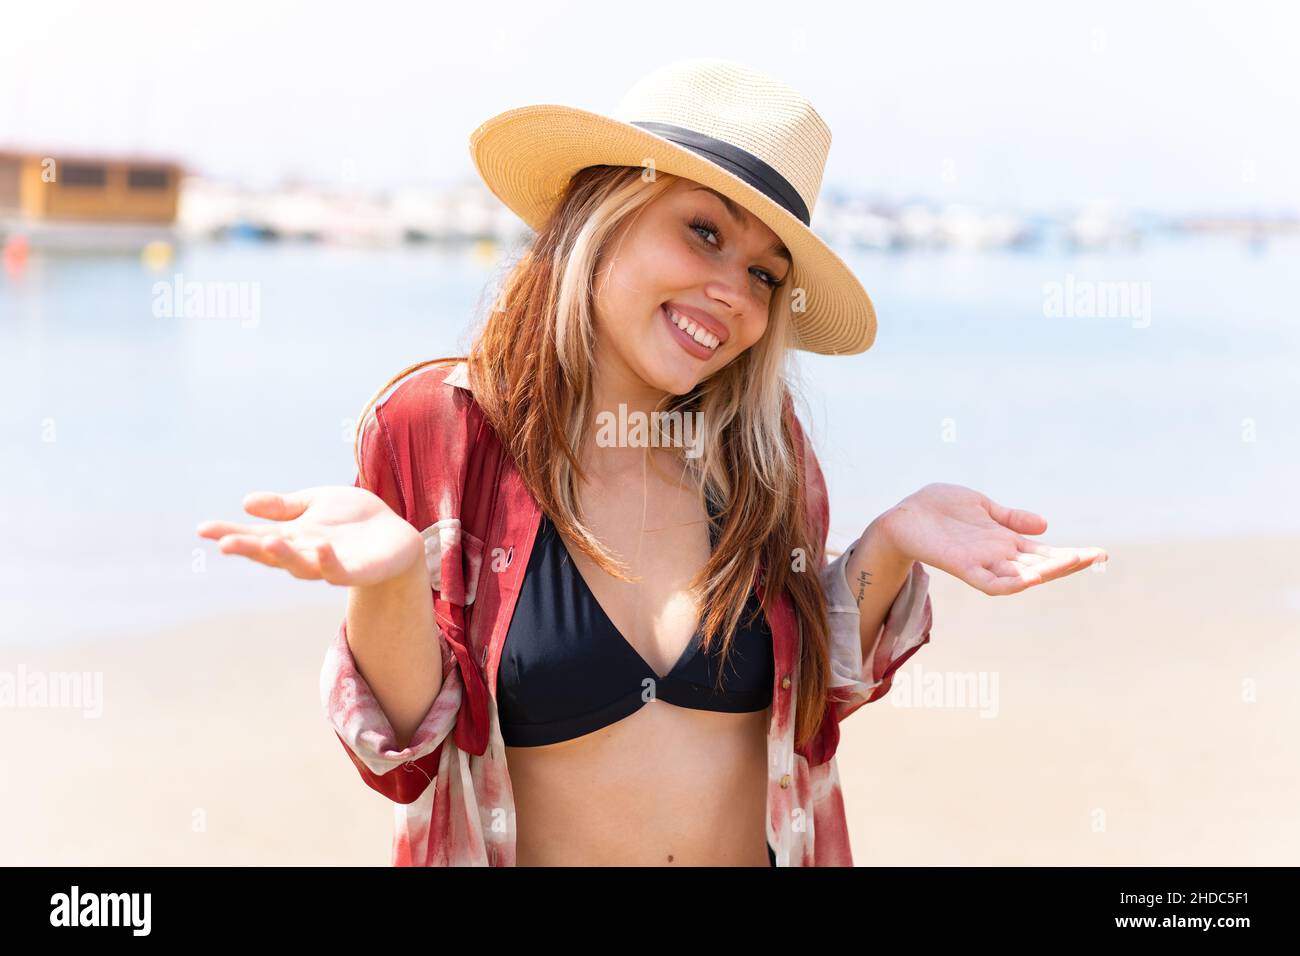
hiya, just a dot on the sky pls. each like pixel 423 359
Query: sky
pixel 1171 107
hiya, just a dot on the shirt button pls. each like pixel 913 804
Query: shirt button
pixel 785 682
pixel 785 782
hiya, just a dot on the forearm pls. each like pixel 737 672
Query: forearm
pixel 394 641
pixel 875 572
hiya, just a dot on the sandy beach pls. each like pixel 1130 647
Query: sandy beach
pixel 1146 714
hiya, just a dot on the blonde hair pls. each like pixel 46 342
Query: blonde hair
pixel 531 366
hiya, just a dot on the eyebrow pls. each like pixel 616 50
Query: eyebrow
pixel 737 213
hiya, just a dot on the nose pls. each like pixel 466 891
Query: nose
pixel 738 297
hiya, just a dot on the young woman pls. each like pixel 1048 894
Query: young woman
pixel 626 659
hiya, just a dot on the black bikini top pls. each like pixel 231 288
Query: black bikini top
pixel 567 671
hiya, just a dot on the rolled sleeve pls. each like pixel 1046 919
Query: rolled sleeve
pixel 367 736
pixel 906 628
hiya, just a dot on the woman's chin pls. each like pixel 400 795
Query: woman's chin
pixel 674 376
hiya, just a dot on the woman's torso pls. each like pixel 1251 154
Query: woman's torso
pixel 666 785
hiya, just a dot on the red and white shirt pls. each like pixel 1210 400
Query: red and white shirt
pixel 450 785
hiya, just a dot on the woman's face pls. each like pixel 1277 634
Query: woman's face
pixel 687 290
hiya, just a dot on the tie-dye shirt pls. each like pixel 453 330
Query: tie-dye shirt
pixel 450 785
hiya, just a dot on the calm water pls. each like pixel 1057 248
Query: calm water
pixel 121 430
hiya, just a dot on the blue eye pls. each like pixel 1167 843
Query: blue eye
pixel 702 225
pixel 705 225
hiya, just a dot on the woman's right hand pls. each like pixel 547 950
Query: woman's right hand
pixel 336 533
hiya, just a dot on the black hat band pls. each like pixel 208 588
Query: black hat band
pixel 736 160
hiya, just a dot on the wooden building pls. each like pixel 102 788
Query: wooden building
pixel 88 189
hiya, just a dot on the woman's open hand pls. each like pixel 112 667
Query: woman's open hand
pixel 336 533
pixel 963 532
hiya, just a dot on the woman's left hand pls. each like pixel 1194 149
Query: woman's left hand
pixel 963 532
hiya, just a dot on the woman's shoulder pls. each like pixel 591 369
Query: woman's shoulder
pixel 425 401
pixel 426 425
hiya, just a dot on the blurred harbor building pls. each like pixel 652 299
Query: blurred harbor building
pixel 87 202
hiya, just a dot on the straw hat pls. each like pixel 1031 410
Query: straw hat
pixel 719 123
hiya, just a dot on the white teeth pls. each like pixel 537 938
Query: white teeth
pixel 707 339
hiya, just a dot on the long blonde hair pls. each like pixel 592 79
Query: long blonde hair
pixel 531 366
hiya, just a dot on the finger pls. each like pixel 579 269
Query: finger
pixel 1065 561
pixel 1027 546
pixel 1048 569
pixel 1035 549
pixel 1037 565
pixel 292 560
pixel 995 584
pixel 1090 556
pixel 248 546
pixel 1029 574
pixel 1017 519
pixel 219 529
pixel 278 507
pixel 1044 555
pixel 1030 560
pixel 331 568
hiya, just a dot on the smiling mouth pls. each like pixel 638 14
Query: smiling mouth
pixel 692 338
